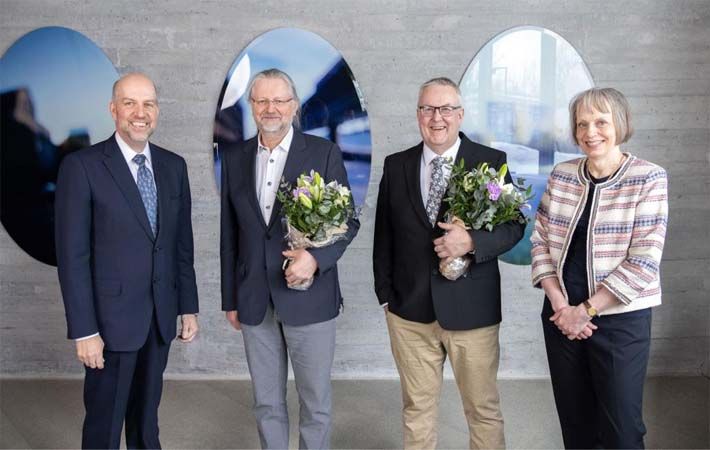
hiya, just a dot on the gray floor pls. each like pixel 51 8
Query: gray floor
pixel 216 414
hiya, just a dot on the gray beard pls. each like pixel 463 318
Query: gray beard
pixel 274 130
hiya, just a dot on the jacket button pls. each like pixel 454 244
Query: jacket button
pixel 434 271
pixel 156 280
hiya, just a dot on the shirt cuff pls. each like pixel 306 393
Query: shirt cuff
pixel 86 337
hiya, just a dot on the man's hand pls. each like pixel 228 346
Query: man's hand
pixel 302 266
pixel 456 242
pixel 189 328
pixel 233 318
pixel 574 322
pixel 91 352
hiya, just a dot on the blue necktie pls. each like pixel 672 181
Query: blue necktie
pixel 146 187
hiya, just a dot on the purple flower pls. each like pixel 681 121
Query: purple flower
pixel 494 190
pixel 302 190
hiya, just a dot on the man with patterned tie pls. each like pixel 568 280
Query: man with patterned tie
pixel 428 316
pixel 125 263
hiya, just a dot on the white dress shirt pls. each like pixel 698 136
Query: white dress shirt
pixel 426 167
pixel 128 153
pixel 269 168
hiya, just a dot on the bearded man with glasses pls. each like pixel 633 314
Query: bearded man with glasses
pixel 428 316
pixel 278 322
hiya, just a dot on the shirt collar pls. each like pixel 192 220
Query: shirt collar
pixel 285 143
pixel 429 154
pixel 129 153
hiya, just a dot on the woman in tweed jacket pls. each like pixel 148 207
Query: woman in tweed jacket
pixel 597 246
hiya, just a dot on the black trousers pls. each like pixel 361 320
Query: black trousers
pixel 598 382
pixel 127 388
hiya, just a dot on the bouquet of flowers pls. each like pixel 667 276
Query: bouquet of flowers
pixel 478 199
pixel 315 214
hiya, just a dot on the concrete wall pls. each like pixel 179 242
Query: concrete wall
pixel 656 52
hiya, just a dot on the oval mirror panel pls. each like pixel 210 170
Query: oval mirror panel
pixel 55 88
pixel 516 93
pixel 332 105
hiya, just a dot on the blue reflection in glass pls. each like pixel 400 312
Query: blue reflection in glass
pixel 331 103
pixel 55 87
pixel 516 93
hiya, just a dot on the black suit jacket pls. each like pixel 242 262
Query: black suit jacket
pixel 406 267
pixel 114 273
pixel 250 249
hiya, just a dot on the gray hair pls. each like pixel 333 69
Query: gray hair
pixel 442 81
pixel 280 74
pixel 604 100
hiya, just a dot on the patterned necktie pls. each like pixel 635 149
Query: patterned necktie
pixel 436 189
pixel 146 187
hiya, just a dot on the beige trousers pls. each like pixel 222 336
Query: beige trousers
pixel 420 351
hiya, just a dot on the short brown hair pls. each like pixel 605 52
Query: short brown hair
pixel 604 100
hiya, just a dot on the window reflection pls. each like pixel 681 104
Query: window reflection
pixel 54 91
pixel 515 93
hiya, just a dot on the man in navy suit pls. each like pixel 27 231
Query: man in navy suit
pixel 125 263
pixel 277 321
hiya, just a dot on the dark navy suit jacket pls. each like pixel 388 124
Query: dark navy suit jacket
pixel 113 272
pixel 406 267
pixel 250 249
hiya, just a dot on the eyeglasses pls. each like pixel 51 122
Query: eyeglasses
pixel 445 111
pixel 277 102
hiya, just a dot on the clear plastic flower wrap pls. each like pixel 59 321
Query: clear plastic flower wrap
pixel 453 269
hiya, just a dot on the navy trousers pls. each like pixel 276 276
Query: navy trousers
pixel 598 382
pixel 127 388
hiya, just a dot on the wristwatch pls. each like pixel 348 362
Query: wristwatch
pixel 591 310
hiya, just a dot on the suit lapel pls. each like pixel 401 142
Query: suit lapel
pixel 159 174
pixel 295 163
pixel 412 171
pixel 116 165
pixel 249 174
pixel 467 152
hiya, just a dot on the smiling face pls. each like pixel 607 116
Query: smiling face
pixel 134 109
pixel 596 134
pixel 439 133
pixel 271 119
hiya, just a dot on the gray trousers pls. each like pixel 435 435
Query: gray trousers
pixel 311 349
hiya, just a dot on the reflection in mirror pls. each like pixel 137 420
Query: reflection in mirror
pixel 55 90
pixel 515 94
pixel 332 106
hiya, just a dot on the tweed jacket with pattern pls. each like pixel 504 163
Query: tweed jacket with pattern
pixel 627 227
